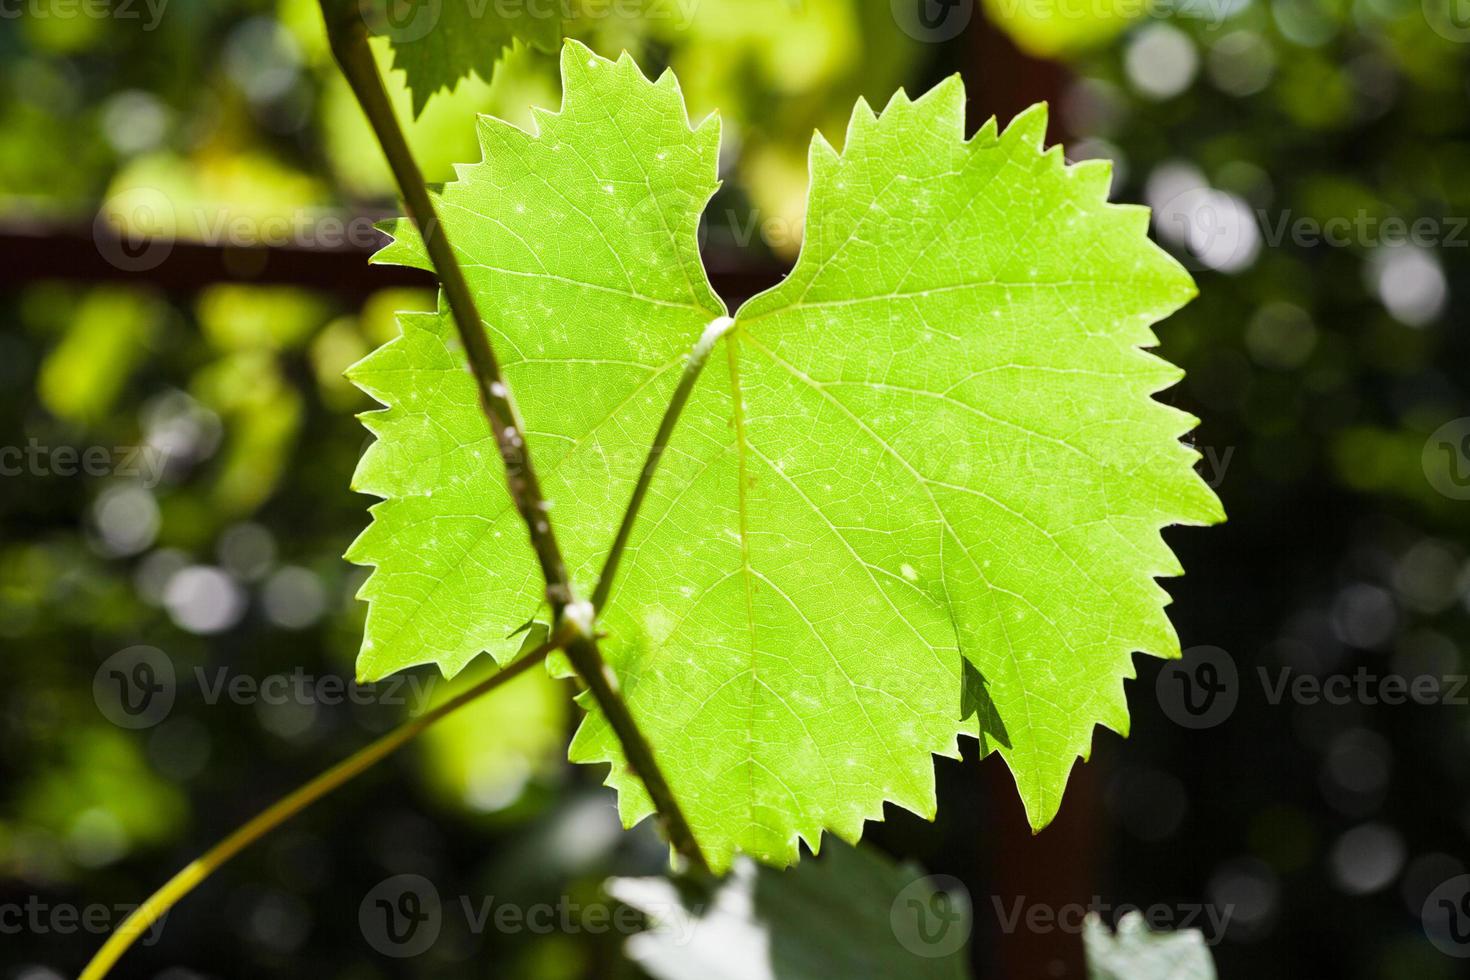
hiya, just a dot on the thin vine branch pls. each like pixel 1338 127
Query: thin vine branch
pixel 348 37
pixel 349 41
pixel 160 902
pixel 692 368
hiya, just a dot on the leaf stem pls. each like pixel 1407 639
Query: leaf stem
pixel 348 37
pixel 717 329
pixel 160 902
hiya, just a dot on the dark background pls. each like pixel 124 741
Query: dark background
pixel 1323 372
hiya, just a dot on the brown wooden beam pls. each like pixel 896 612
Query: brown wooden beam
pixel 76 253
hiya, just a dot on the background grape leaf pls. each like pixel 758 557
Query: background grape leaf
pixel 438 42
pixel 853 914
pixel 1138 953
pixel 920 493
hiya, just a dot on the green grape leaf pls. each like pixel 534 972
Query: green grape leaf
pixel 438 42
pixel 1138 953
pixel 917 495
pixel 854 913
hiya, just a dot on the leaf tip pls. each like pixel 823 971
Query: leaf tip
pixel 947 103
pixel 1028 128
pixel 1095 176
pixel 573 48
pixel 862 120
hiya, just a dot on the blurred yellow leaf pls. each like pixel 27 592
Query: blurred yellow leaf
pixel 262 415
pixel 257 317
pixel 482 756
pixel 107 337
pixel 1053 28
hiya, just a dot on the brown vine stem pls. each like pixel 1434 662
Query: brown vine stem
pixel 143 918
pixel 348 36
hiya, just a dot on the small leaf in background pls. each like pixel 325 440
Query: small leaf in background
pixel 1137 953
pixel 439 42
pixel 852 914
